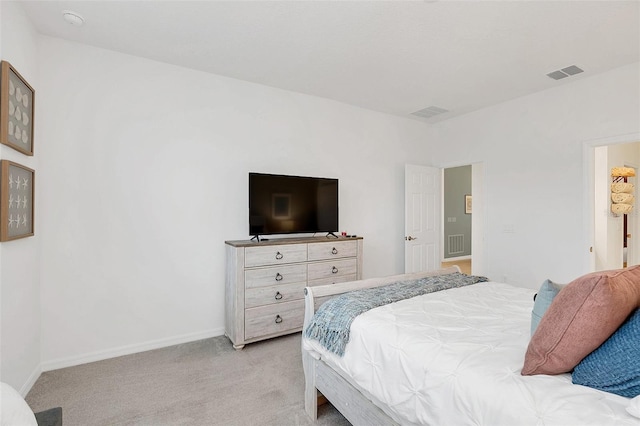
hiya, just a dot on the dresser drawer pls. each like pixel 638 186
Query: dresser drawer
pixel 332 250
pixel 275 275
pixel 275 294
pixel 335 268
pixel 333 280
pixel 274 255
pixel 273 319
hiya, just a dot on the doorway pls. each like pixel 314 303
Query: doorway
pixel 423 212
pixel 457 210
pixel 615 242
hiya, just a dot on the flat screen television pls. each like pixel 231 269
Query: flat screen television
pixel 280 204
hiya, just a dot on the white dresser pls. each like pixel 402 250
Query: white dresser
pixel 265 281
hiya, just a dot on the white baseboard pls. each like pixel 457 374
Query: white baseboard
pixel 128 349
pixel 24 390
pixel 455 259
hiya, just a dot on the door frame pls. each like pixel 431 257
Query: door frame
pixel 588 160
pixel 632 221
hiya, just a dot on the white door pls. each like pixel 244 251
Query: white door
pixel 422 218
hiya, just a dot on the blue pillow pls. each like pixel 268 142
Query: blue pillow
pixel 543 299
pixel 615 365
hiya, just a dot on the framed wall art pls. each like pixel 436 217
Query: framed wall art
pixel 16 201
pixel 467 204
pixel 17 108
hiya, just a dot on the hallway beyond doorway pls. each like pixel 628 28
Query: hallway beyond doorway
pixel 465 265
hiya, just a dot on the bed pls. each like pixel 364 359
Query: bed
pixel 449 357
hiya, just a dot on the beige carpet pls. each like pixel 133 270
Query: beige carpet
pixel 199 383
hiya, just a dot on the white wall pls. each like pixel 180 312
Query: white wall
pixel 478 236
pixel 144 175
pixel 20 259
pixel 532 150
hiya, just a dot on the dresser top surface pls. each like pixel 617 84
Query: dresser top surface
pixel 297 240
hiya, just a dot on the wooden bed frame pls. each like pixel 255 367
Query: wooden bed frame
pixel 320 378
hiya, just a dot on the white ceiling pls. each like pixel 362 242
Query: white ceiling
pixel 396 57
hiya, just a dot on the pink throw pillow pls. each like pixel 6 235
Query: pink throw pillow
pixel 581 317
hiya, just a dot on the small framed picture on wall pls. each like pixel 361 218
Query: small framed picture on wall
pixel 467 204
pixel 17 99
pixel 16 201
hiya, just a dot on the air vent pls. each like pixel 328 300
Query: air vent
pixel 456 244
pixel 557 75
pixel 572 70
pixel 565 72
pixel 429 112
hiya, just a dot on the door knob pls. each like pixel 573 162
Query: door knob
pixel 628 235
pixel 410 238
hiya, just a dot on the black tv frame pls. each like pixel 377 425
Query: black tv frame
pixel 281 205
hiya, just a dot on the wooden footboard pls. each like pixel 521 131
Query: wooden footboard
pixel 356 408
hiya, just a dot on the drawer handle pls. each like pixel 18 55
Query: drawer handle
pixel 278 277
pixel 278 319
pixel 278 295
pixel 279 256
pixel 334 251
pixel 334 270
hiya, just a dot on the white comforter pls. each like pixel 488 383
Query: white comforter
pixel 454 358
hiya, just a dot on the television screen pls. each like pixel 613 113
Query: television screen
pixel 281 204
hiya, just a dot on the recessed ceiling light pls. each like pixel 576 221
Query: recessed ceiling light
pixel 73 18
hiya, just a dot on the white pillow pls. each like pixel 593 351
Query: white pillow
pixel 14 410
pixel 634 407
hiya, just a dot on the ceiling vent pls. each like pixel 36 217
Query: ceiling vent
pixel 429 112
pixel 565 72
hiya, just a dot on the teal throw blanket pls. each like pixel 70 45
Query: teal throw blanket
pixel 331 323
